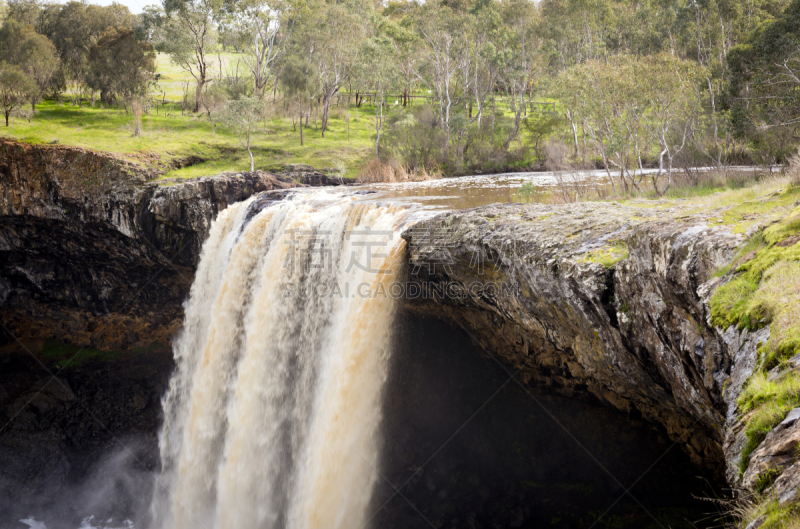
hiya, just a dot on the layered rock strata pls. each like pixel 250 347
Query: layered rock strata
pixel 94 253
pixel 594 299
pixel 602 300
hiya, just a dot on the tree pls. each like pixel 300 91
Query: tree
pixel 609 103
pixel 74 28
pixel 27 12
pixel 443 44
pixel 15 88
pixel 521 61
pixel 333 36
pixel 214 99
pixel 243 118
pixel 12 33
pixel 376 67
pixel 673 107
pixel 485 53
pixel 765 82
pixel 406 41
pixel 299 81
pixel 189 36
pixel 120 65
pixel 32 52
pixel 39 59
pixel 261 32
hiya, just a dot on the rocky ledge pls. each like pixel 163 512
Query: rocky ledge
pixel 93 252
pixel 612 302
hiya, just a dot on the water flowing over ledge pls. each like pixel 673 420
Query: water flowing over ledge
pixel 272 414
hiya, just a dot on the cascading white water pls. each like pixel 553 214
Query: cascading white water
pixel 272 414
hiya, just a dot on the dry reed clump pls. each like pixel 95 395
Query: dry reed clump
pixel 762 510
pixel 571 184
pixel 377 171
pixel 793 171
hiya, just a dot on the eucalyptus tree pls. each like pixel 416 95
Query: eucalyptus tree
pixel 27 12
pixel 576 30
pixel 406 43
pixel 765 83
pixel 73 28
pixel 606 102
pixel 443 48
pixel 377 68
pixel 12 34
pixel 243 117
pixel 15 88
pixel 38 59
pixel 189 36
pixel 673 106
pixel 522 63
pixel 300 85
pixel 484 54
pixel 215 97
pixel 32 52
pixel 332 37
pixel 121 66
pixel 261 30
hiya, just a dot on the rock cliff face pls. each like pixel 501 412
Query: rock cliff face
pixel 595 299
pixel 64 439
pixel 602 300
pixel 93 253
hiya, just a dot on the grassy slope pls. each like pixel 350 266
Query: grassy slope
pixel 172 136
pixel 763 288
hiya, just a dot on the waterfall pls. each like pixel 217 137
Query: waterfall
pixel 272 413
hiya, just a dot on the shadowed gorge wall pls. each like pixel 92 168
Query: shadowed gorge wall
pixel 477 450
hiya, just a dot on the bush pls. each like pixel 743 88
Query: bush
pixel 540 125
pixel 414 137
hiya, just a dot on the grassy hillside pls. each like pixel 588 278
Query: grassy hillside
pixel 171 134
pixel 168 136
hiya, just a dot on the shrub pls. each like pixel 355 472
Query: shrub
pixel 414 137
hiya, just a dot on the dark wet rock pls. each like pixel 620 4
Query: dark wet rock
pixel 34 463
pixel 93 252
pixel 600 300
pixel 54 430
pixel 307 175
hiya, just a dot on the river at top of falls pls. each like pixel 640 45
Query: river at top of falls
pixel 272 414
pixel 479 190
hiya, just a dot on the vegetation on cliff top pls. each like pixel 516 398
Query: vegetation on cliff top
pixel 453 87
pixel 765 290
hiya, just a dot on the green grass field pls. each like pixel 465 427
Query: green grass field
pixel 168 136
